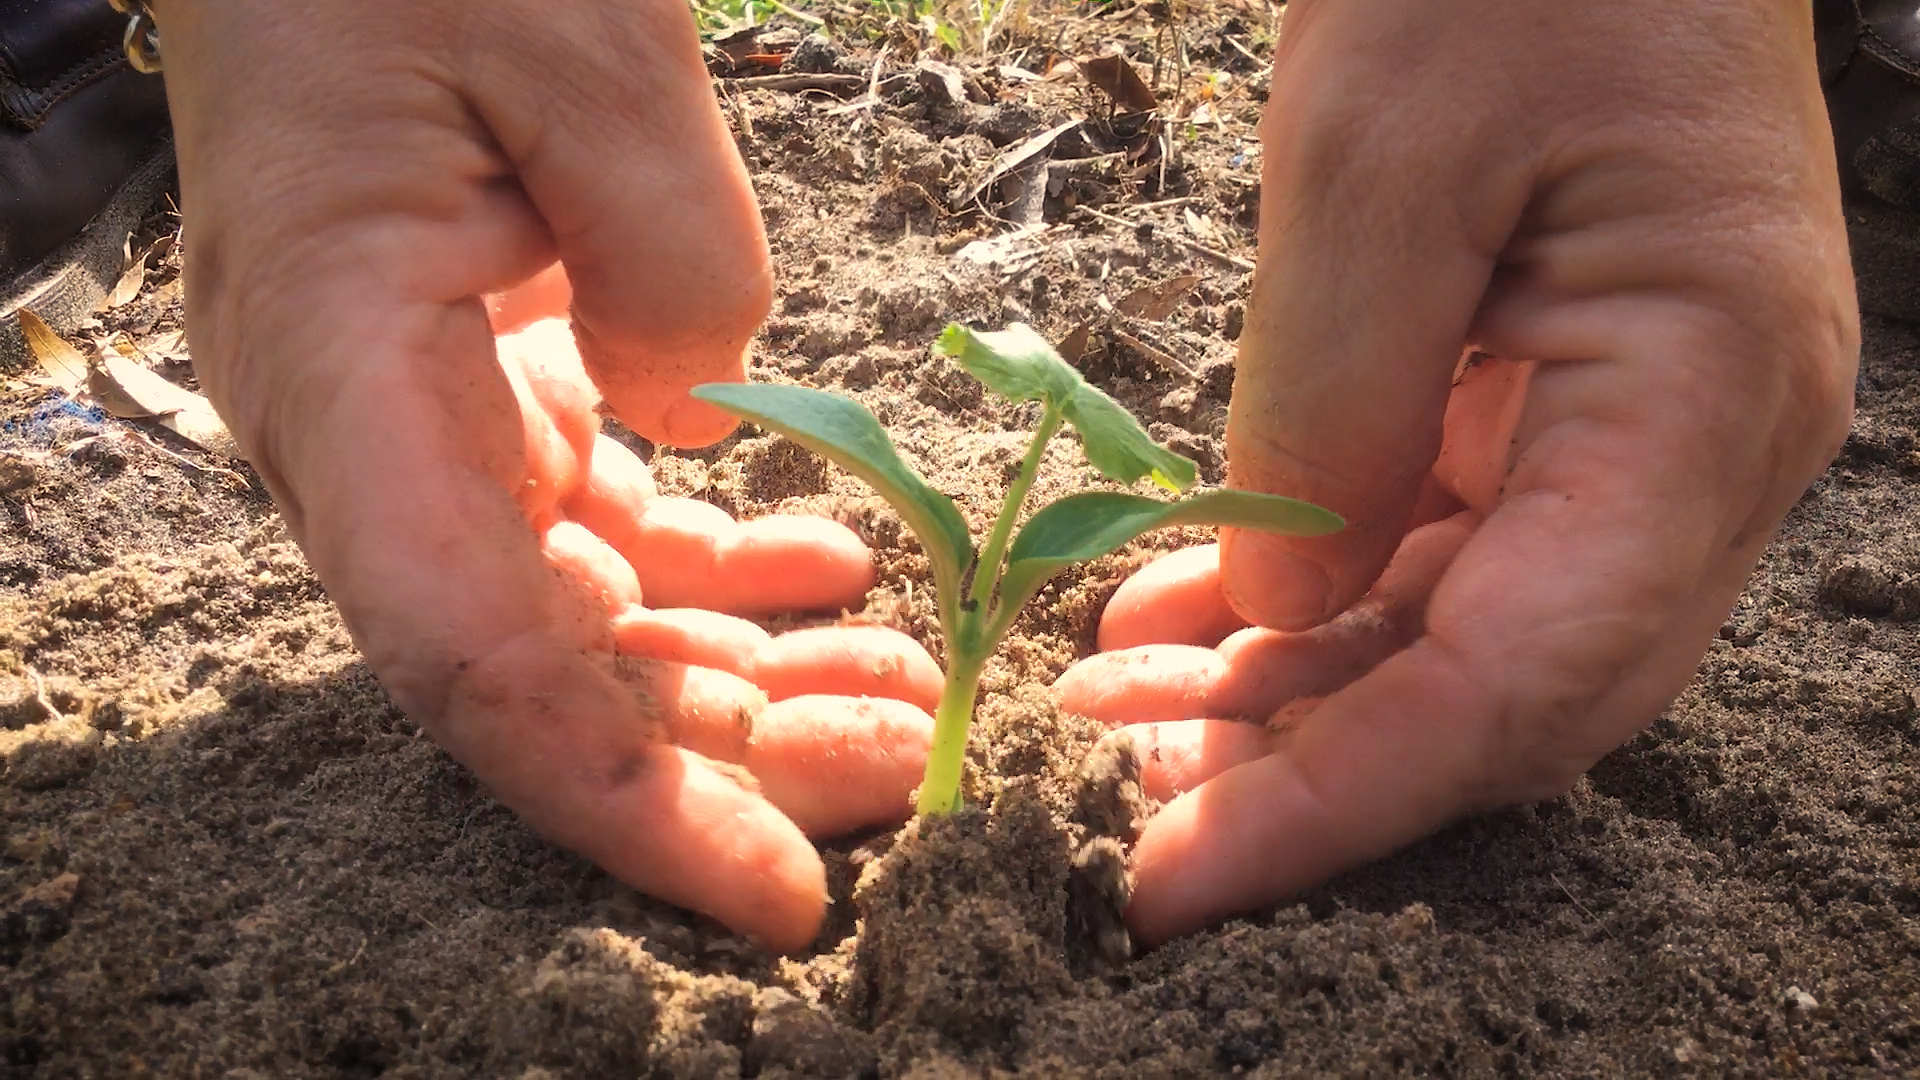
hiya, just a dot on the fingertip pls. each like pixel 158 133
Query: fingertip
pixel 1175 599
pixel 1179 755
pixel 690 636
pixel 1483 413
pixel 545 295
pixel 860 661
pixel 593 564
pixel 1142 684
pixel 834 763
pixel 765 881
pixel 1201 858
pixel 791 563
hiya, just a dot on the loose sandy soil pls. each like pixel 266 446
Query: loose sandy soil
pixel 226 854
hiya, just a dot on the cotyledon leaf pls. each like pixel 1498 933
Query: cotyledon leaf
pixel 1091 524
pixel 1018 363
pixel 841 430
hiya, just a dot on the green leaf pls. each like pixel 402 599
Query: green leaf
pixel 1019 364
pixel 1120 448
pixel 841 430
pixel 1016 363
pixel 1092 524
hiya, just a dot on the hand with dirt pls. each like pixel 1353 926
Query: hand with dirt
pixel 357 176
pixel 1639 202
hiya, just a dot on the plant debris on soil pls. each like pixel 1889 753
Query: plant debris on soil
pixel 224 853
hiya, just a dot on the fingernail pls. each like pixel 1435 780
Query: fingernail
pixel 1271 585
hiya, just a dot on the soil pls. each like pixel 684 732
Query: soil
pixel 226 854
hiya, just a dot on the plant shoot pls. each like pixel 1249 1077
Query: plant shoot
pixel 981 592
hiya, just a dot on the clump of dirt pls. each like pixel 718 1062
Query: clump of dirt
pixel 226 853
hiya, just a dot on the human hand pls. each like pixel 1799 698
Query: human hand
pixel 356 177
pixel 1638 201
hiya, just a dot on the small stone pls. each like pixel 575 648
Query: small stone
pixel 814 55
pixel 1866 586
pixel 41 914
pixel 1796 998
pixel 943 81
pixel 17 474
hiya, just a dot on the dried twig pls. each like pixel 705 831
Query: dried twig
pixel 1152 352
pixel 40 696
pixel 1577 904
pixel 827 81
pixel 1195 245
pixel 1013 159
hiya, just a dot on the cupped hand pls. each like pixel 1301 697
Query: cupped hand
pixel 1635 204
pixel 357 177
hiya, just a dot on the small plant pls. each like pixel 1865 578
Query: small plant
pixel 981 594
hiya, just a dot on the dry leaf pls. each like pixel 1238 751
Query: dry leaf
pixel 1027 205
pixel 1116 78
pixel 1074 346
pixel 171 346
pixel 1008 253
pixel 1013 159
pixel 64 365
pixel 130 391
pixel 1156 302
pixel 128 287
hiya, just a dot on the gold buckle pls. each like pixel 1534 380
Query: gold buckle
pixel 142 39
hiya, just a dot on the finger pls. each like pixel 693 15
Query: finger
pixel 1483 417
pixel 858 661
pixel 835 764
pixel 559 739
pixel 1359 308
pixel 1256 671
pixel 1180 755
pixel 546 295
pixel 555 403
pixel 1266 669
pixel 690 636
pixel 1175 599
pixel 830 763
pixel 1142 684
pixel 689 553
pixel 590 563
pixel 613 128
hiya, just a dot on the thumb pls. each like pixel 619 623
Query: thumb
pixel 1378 234
pixel 609 117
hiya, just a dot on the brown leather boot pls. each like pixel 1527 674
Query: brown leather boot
pixel 1869 53
pixel 84 150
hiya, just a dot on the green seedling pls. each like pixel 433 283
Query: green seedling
pixel 980 594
